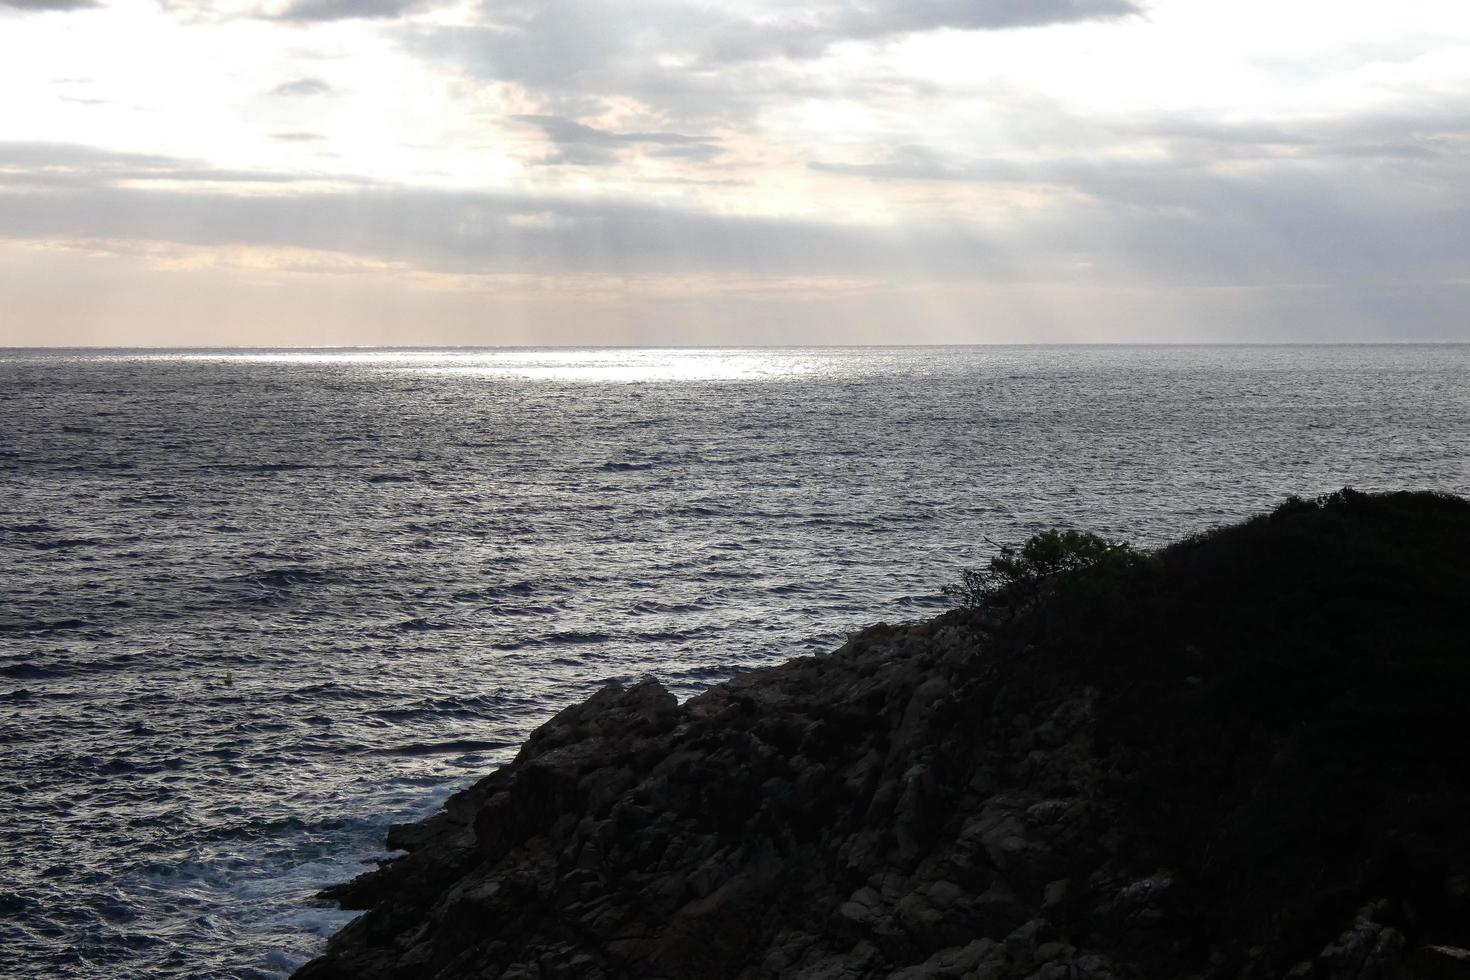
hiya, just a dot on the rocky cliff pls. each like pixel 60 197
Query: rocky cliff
pixel 1248 756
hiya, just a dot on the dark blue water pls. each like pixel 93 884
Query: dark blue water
pixel 404 561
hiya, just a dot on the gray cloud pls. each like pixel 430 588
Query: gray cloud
pixel 1331 223
pixel 1338 248
pixel 1284 228
pixel 694 61
pixel 297 137
pixel 41 5
pixel 311 11
pixel 61 191
pixel 1425 131
pixel 918 163
pixel 88 162
pixel 300 12
pixel 580 144
pixel 1152 160
pixel 58 165
pixel 303 86
pixel 812 33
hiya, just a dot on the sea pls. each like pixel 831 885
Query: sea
pixel 256 605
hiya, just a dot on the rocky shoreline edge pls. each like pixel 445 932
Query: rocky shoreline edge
pixel 1244 757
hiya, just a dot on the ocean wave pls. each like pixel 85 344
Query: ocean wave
pixel 284 578
pixel 42 625
pixel 559 638
pixel 457 745
pixel 33 672
pixel 63 544
pixel 263 468
pixel 422 624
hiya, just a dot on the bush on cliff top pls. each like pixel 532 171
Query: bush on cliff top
pixel 1015 575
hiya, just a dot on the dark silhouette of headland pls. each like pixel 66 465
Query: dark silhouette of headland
pixel 1246 756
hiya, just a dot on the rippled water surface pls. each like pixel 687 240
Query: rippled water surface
pixel 404 561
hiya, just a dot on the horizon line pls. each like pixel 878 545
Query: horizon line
pixel 246 348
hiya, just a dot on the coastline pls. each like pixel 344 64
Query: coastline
pixel 1215 764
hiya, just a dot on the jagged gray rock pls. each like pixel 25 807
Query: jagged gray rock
pixel 863 814
pixel 845 816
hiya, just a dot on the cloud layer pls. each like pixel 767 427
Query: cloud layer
pixel 1078 169
pixel 39 5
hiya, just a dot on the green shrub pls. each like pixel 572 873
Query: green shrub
pixel 1015 575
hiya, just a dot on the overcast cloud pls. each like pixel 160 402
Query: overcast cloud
pixel 651 169
pixel 38 5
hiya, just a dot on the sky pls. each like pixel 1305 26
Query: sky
pixel 733 172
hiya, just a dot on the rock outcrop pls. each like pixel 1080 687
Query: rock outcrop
pixel 1246 757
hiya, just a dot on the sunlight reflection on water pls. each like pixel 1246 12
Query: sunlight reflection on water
pixel 625 366
pixel 600 365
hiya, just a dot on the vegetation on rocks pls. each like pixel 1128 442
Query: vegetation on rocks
pixel 1243 756
pixel 1015 575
